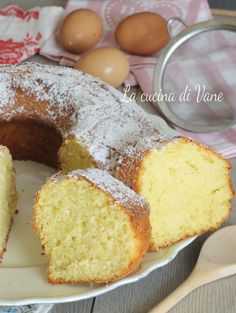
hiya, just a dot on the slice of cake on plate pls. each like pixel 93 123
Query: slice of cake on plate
pixel 187 186
pixel 93 228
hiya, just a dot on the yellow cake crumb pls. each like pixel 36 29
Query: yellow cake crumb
pixel 8 196
pixel 87 235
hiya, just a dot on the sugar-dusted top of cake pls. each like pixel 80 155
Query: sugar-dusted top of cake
pixel 99 117
pixel 112 186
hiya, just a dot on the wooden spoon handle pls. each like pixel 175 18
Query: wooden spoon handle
pixel 178 294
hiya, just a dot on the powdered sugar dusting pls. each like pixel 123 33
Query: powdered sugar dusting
pixel 97 114
pixel 118 190
pixel 6 92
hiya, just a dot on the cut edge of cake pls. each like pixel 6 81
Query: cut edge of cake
pixel 8 196
pixel 131 224
pixel 187 186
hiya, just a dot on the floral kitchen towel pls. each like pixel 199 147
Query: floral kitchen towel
pixel 22 33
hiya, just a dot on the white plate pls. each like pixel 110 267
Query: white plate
pixel 23 272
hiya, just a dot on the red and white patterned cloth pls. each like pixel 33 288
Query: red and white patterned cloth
pixel 22 33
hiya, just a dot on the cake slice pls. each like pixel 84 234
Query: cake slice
pixel 187 186
pixel 8 196
pixel 93 228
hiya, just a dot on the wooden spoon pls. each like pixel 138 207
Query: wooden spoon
pixel 217 259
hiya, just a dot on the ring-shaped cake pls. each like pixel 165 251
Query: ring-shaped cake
pixel 60 116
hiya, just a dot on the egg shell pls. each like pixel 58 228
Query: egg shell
pixel 142 33
pixel 80 31
pixel 109 64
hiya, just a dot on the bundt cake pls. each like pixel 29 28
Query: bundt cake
pixel 93 228
pixel 45 108
pixel 48 110
pixel 8 196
